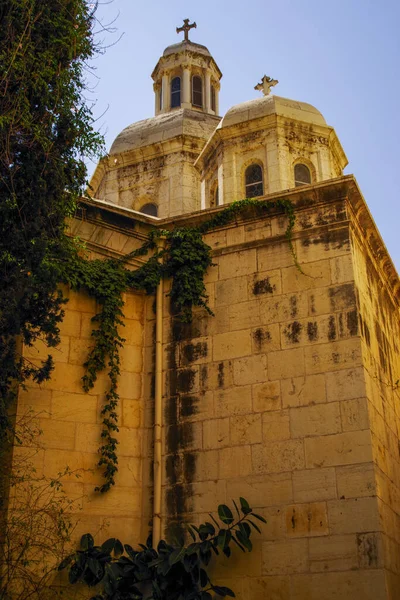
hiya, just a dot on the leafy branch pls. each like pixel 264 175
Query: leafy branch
pixel 171 571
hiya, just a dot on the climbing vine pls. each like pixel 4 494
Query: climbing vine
pixel 184 257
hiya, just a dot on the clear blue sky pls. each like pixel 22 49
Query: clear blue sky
pixel 342 56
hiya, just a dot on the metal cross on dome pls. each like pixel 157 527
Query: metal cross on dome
pixel 186 28
pixel 266 84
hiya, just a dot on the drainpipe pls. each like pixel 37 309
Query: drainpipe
pixel 157 460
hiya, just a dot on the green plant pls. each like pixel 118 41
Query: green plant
pixel 175 571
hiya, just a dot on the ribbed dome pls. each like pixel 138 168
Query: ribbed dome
pixel 268 105
pixel 164 127
pixel 183 46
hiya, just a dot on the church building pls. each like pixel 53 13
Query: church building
pixel 289 394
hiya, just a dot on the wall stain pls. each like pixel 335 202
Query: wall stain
pixel 293 331
pixel 263 287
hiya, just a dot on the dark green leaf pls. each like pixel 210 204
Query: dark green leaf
pixel 203 578
pixel 259 517
pixel 245 506
pixel 108 546
pixel 177 555
pixel 223 591
pixel 225 514
pixel 256 527
pixel 87 541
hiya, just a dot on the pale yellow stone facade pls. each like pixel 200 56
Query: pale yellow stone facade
pixel 288 395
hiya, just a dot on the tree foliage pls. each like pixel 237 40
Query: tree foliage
pixel 45 129
pixel 173 571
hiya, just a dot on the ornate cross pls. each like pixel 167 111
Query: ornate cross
pixel 186 28
pixel 266 84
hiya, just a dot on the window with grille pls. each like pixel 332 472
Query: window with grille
pixel 175 92
pixel 302 175
pixel 254 181
pixel 197 92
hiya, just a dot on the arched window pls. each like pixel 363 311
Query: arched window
pixel 254 181
pixel 302 175
pixel 149 209
pixel 197 91
pixel 213 103
pixel 175 92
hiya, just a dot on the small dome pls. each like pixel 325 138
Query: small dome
pixel 268 105
pixel 186 46
pixel 164 127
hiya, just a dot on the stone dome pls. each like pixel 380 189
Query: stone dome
pixel 164 127
pixel 268 105
pixel 189 46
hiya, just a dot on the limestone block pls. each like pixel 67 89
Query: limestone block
pixel 286 557
pixel 79 351
pixel 118 501
pixel 216 239
pixel 217 375
pixel 285 363
pixel 87 325
pixel 80 301
pixel 130 385
pixel 212 274
pixel 251 369
pixel 332 356
pixel 342 268
pixel 231 291
pixel 241 263
pixel 245 429
pixel 266 396
pixel 354 414
pixel 134 304
pixel 266 338
pixel 81 408
pixel 274 256
pixel 235 235
pixel 71 323
pixel 332 299
pixel 345 585
pixel 326 244
pixel 231 345
pixel 243 315
pixel 306 520
pixel 260 588
pixel 234 462
pixel 313 330
pixel 197 407
pixel 88 437
pixel 56 461
pixel 264 284
pixel 311 276
pixel 35 400
pixel 233 401
pixel 370 551
pixel 356 481
pixel 275 426
pixel 207 495
pixel 339 449
pixel 59 435
pixel 278 457
pixel 207 465
pixel 258 230
pixel 321 419
pixel 240 565
pixel 313 485
pixel 132 332
pixel 131 358
pixel 303 391
pixel 345 384
pixel 262 490
pixel 356 515
pixel 216 433
pixel 117 241
pixel 283 308
pixel 333 553
pixel 132 413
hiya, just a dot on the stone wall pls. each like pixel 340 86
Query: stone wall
pixel 267 399
pixel 379 328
